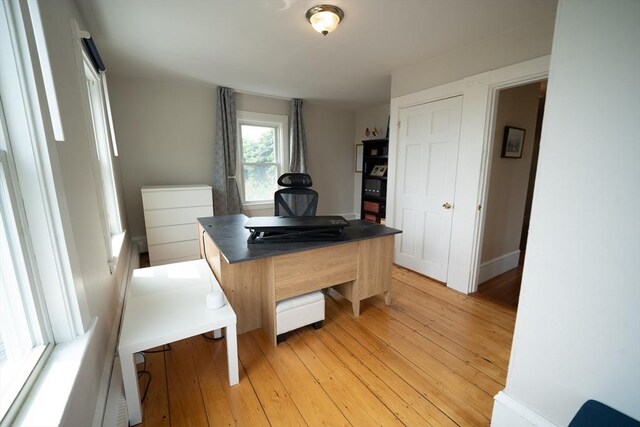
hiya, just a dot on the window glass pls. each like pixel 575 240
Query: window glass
pixel 21 340
pixel 101 136
pixel 259 166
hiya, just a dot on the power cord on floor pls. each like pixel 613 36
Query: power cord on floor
pixel 143 371
pixel 212 338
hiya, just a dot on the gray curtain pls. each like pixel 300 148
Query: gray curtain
pixel 297 139
pixel 226 197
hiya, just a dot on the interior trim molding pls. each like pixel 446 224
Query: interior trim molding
pixel 509 412
pixel 497 266
pixel 102 405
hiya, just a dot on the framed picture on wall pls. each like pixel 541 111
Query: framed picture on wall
pixel 513 142
pixel 359 157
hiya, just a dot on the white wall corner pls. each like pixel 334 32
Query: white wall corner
pixel 508 412
pixel 497 266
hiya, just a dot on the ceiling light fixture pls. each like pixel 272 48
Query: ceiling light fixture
pixel 325 18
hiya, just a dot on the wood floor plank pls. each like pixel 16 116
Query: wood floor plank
pixel 416 350
pixel 417 322
pixel 499 313
pixel 355 401
pixel 449 314
pixel 434 357
pixel 274 397
pixel 391 398
pixel 185 400
pixel 243 401
pixel 465 335
pixel 155 407
pixel 414 398
pixel 211 385
pixel 454 405
pixel 312 401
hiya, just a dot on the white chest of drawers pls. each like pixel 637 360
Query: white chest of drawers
pixel 170 216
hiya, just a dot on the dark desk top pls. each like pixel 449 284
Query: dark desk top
pixel 230 236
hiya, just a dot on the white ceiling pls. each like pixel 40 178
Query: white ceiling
pixel 268 47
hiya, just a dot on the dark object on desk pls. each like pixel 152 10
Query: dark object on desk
pixel 295 229
pixel 596 414
pixel 296 199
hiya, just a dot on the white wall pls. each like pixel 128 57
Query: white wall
pixel 368 118
pixel 331 157
pixel 577 333
pixel 518 45
pixel 509 178
pixel 78 195
pixel 165 136
pixel 166 130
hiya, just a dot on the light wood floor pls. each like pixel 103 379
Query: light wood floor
pixel 434 357
pixel 505 288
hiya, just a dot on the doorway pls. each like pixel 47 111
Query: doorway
pixel 511 181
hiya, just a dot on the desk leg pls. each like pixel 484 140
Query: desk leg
pixel 232 354
pixel 356 307
pixel 387 297
pixel 130 380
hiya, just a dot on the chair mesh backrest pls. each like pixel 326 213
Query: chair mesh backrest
pixel 295 202
pixel 297 199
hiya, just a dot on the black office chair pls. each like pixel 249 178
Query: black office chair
pixel 296 199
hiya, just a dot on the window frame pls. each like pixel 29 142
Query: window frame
pixel 32 159
pixel 281 125
pixel 103 142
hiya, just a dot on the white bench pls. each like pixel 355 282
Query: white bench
pixel 168 303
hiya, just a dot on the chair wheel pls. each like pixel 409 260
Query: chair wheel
pixel 317 325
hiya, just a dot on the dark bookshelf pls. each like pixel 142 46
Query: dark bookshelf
pixel 374 188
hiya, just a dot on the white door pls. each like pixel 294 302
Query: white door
pixel 427 159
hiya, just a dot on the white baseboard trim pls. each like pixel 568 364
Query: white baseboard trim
pixel 141 243
pixel 508 412
pixel 497 266
pixel 133 262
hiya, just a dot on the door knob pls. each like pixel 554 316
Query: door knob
pixel 447 205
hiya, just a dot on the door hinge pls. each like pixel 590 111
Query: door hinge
pixel 398 124
pixel 479 207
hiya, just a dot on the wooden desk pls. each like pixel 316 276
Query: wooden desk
pixel 255 277
pixel 164 304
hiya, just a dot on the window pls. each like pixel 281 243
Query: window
pixel 38 302
pixel 22 339
pixel 102 136
pixel 262 155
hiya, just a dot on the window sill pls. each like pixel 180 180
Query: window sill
pixel 117 241
pixel 46 402
pixel 258 209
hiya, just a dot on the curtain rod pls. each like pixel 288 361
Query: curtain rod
pixel 246 92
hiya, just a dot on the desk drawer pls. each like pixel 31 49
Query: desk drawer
pixel 308 271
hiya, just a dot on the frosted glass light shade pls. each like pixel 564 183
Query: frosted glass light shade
pixel 324 18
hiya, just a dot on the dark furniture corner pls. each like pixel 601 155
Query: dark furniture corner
pixel 373 206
